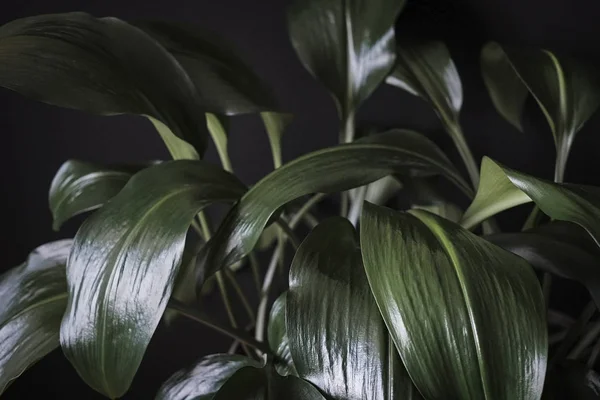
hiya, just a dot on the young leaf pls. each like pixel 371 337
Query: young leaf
pixel 103 66
pixel 225 83
pixel 251 383
pixel 459 309
pixel 34 298
pixel 124 261
pixel 338 339
pixel 560 249
pixel 348 45
pixel 203 380
pixel 567 92
pixel 78 187
pixel 278 337
pixel 502 188
pixel 329 170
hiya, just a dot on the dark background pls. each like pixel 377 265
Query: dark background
pixel 37 138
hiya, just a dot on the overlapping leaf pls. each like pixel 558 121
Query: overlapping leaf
pixel 348 45
pixel 278 337
pixel 204 379
pixel 329 170
pixel 459 309
pixel 338 339
pixel 100 65
pixel 123 264
pixel 34 298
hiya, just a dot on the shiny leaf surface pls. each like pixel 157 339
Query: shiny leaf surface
pixel 34 298
pixel 458 308
pixel 251 383
pixel 78 187
pixel 329 170
pixel 123 265
pixel 103 66
pixel 203 380
pixel 348 45
pixel 502 188
pixel 278 337
pixel 338 339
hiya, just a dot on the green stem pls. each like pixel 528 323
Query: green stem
pixel 240 293
pixel 585 341
pixel 574 332
pixel 289 232
pixel 255 270
pixel 455 131
pixel 357 204
pixel 236 334
pixel 594 355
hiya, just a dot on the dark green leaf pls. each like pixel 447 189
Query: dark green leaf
pixel 251 383
pixel 278 337
pixel 34 298
pixel 329 170
pixel 100 65
pixel 502 188
pixel 123 264
pixel 348 45
pixel 459 309
pixel 225 83
pixel 567 92
pixel 559 249
pixel 203 380
pixel 338 339
pixel 78 187
pixel 572 380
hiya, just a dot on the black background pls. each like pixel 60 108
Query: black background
pixel 37 138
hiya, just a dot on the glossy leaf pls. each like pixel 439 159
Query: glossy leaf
pixel 561 248
pixel 203 380
pixel 226 84
pixel 265 384
pixel 278 337
pixel 329 170
pixel 103 66
pixel 459 309
pixel 348 45
pixel 502 188
pixel 567 92
pixel 78 187
pixel 338 339
pixel 34 298
pixel 572 380
pixel 123 265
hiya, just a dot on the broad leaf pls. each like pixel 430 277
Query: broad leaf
pixel 329 170
pixel 561 248
pixel 78 187
pixel 348 45
pixel 567 92
pixel 203 380
pixel 251 383
pixel 572 380
pixel 338 339
pixel 278 337
pixel 34 298
pixel 458 308
pixel 502 188
pixel 123 264
pixel 225 83
pixel 100 65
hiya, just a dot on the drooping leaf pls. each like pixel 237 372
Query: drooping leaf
pixel 251 383
pixel 79 186
pixel 459 309
pixel 226 84
pixel 203 380
pixel 568 92
pixel 502 188
pixel 34 298
pixel 572 380
pixel 348 45
pixel 103 66
pixel 123 264
pixel 560 248
pixel 276 124
pixel 329 170
pixel 338 339
pixel 217 126
pixel 278 337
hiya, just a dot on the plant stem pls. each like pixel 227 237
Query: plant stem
pixel 574 332
pixel 236 334
pixel 585 341
pixel 346 136
pixel 288 232
pixel 255 270
pixel 240 293
pixel 594 355
pixel 455 131
pixel 546 287
pixel 357 204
